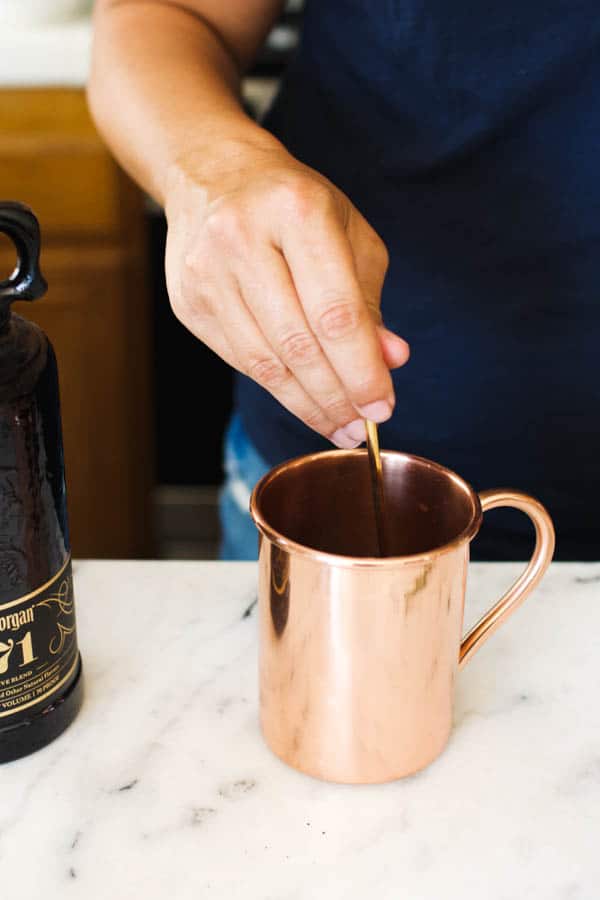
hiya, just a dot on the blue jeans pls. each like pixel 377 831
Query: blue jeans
pixel 243 468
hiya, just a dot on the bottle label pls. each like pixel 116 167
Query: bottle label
pixel 38 644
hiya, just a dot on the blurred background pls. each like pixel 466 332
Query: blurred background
pixel 144 404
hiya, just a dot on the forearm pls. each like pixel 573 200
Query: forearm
pixel 165 88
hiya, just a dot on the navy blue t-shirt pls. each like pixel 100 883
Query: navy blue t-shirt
pixel 468 135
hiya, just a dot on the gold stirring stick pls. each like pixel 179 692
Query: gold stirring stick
pixel 376 468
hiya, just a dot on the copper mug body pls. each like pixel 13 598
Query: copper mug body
pixel 359 654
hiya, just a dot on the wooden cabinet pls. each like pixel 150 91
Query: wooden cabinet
pixel 96 313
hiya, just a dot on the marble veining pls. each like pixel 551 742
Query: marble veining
pixel 163 787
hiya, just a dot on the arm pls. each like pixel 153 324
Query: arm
pixel 165 80
pixel 267 262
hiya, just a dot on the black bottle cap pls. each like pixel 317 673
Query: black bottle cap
pixel 26 282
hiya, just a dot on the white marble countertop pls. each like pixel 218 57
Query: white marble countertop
pixel 163 788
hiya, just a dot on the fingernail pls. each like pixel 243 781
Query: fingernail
pixel 356 430
pixel 380 411
pixel 343 440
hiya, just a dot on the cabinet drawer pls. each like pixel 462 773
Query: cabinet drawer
pixel 52 159
pixel 96 315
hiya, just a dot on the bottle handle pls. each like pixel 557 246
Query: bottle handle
pixel 523 586
pixel 26 282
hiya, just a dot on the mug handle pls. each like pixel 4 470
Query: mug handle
pixel 523 586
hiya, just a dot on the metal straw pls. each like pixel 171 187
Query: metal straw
pixel 376 468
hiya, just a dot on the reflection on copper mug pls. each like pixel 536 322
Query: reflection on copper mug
pixel 358 654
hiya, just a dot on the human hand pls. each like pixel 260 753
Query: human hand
pixel 272 267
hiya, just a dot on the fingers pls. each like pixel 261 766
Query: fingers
pixel 396 352
pixel 371 261
pixel 321 262
pixel 285 284
pixel 236 336
pixel 269 292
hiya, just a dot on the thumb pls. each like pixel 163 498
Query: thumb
pixel 395 350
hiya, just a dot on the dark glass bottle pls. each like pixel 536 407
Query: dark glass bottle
pixel 40 665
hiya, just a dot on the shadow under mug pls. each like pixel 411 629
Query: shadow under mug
pixel 359 654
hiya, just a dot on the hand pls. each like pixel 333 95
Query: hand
pixel 272 267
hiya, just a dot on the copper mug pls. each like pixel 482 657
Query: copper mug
pixel 359 654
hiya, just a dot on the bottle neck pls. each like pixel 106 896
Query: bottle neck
pixel 23 351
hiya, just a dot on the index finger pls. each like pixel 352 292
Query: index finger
pixel 323 269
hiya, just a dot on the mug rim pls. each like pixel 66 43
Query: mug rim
pixel 466 535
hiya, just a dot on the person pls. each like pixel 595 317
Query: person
pixel 457 142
